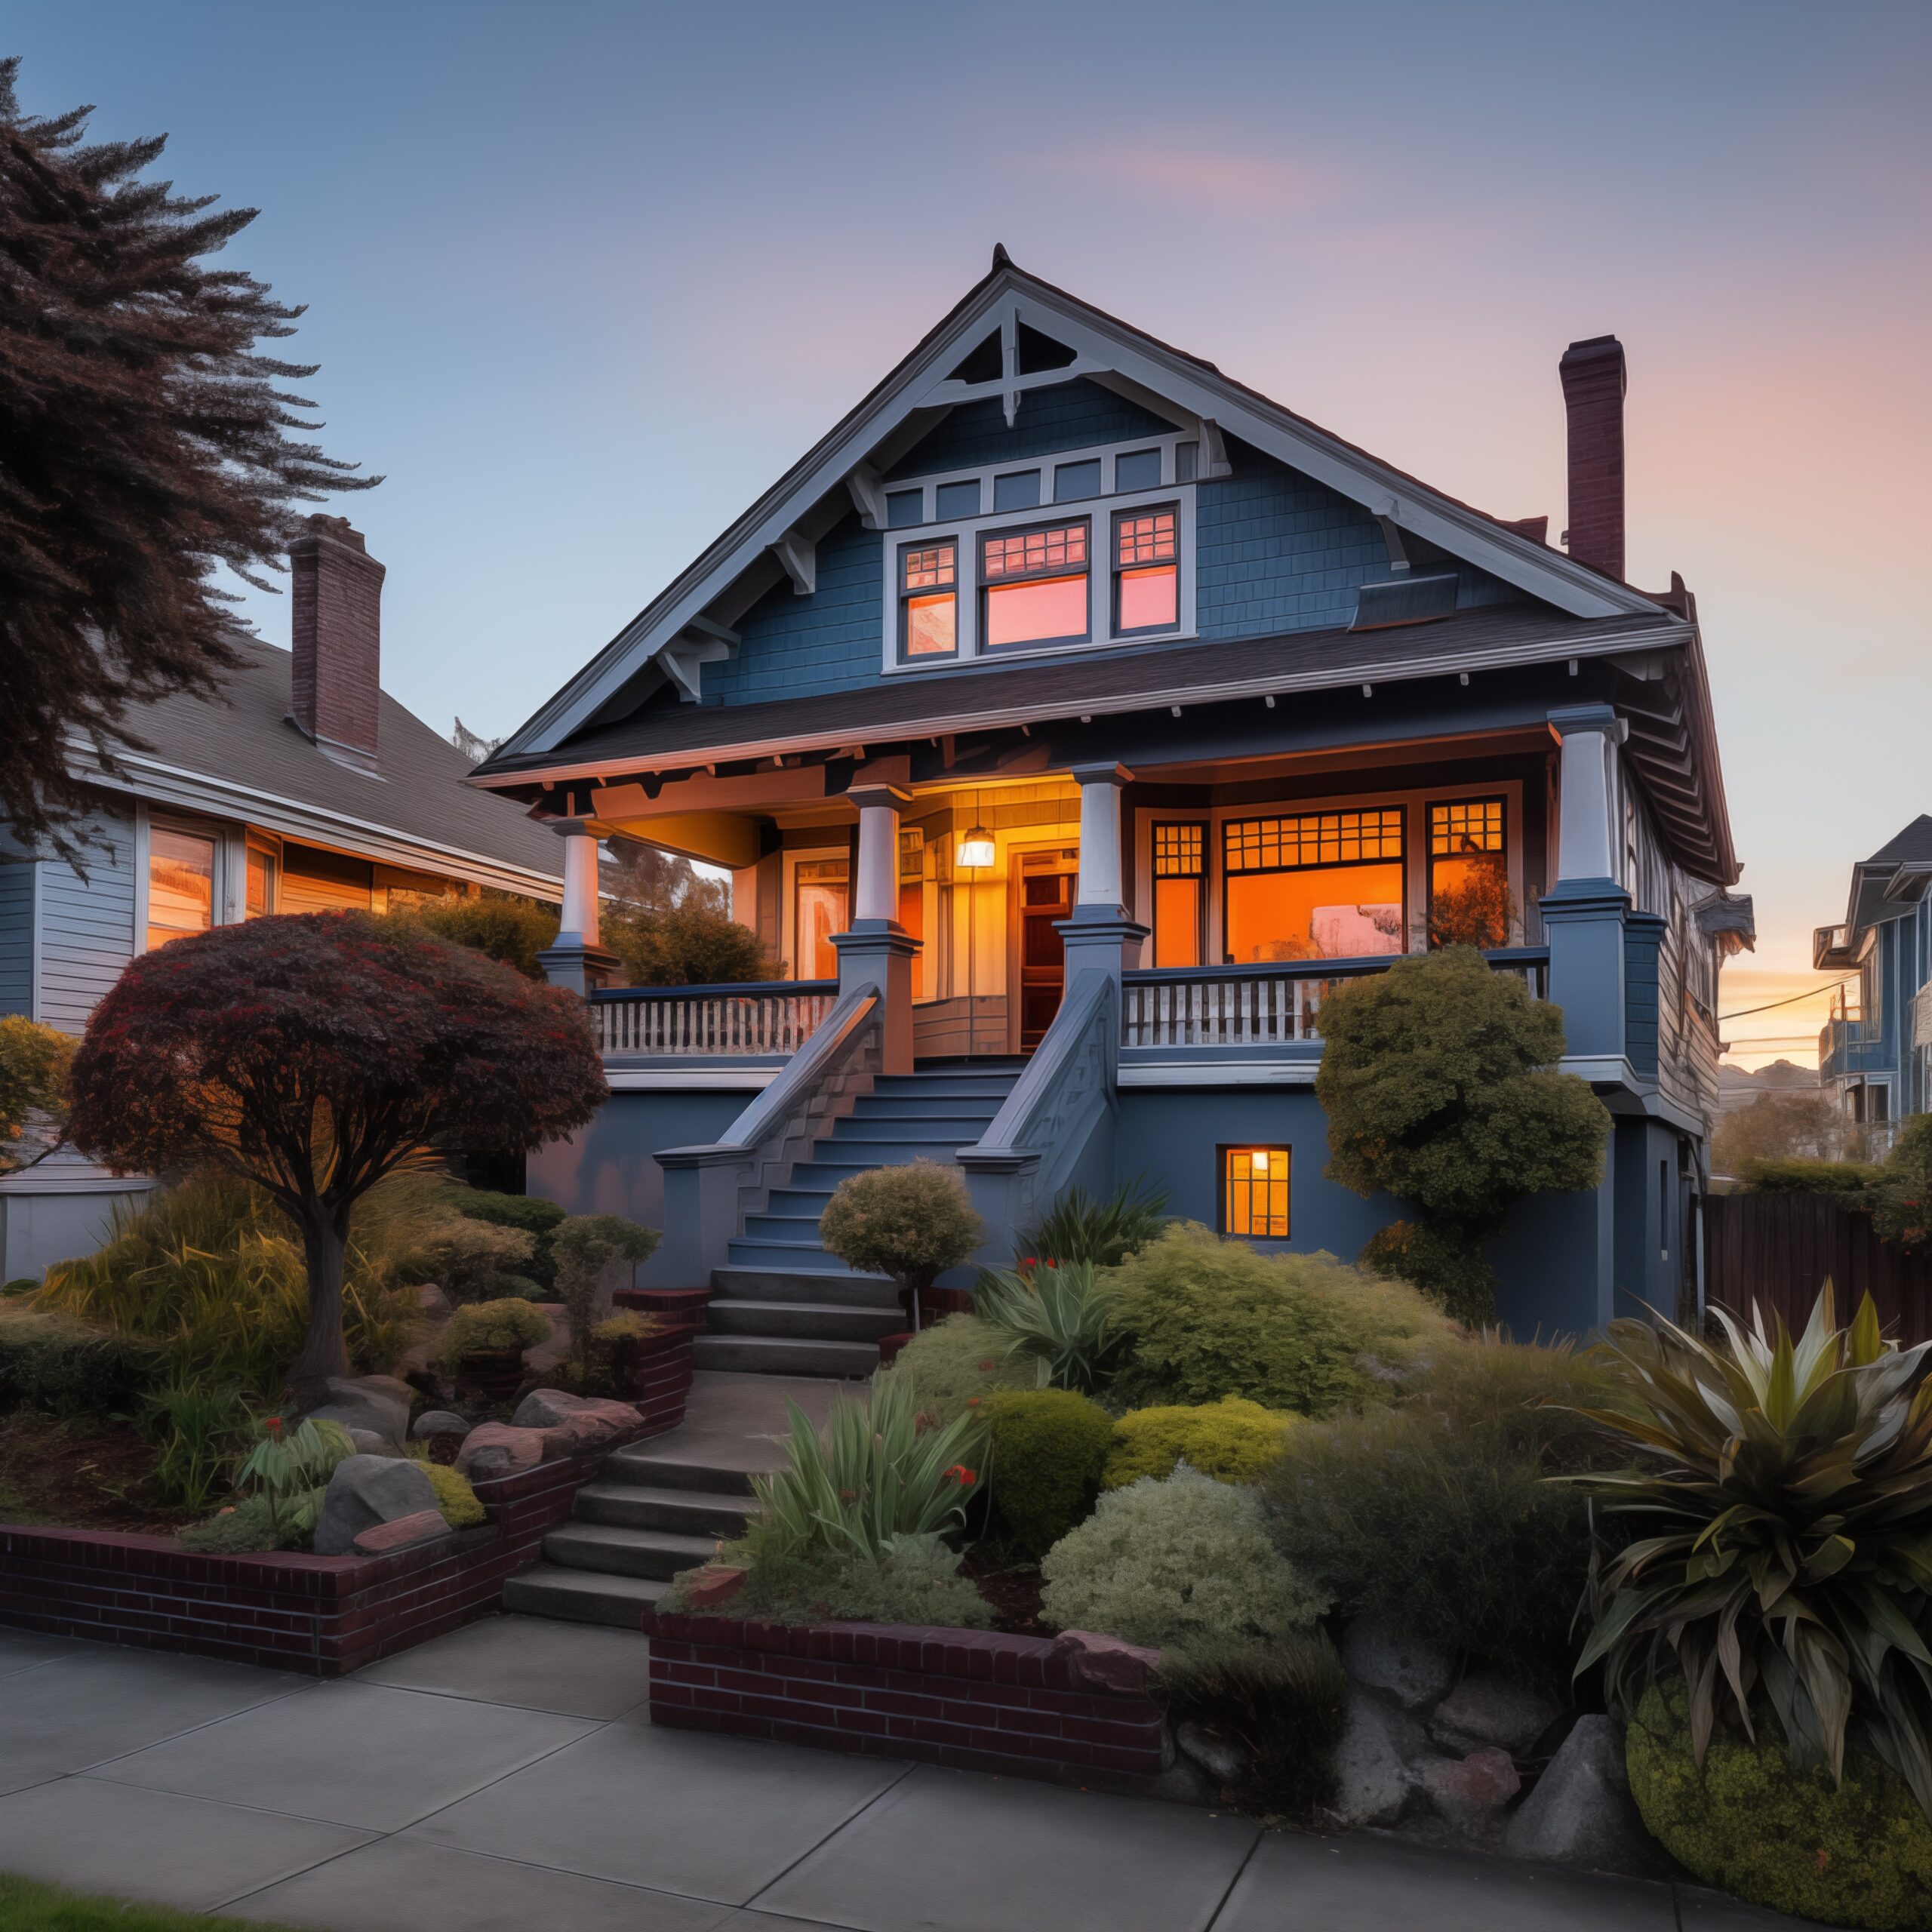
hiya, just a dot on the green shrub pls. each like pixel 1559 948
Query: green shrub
pixel 911 1580
pixel 955 1365
pixel 535 1216
pixel 56 1361
pixel 1104 1232
pixel 199 1430
pixel 255 1525
pixel 1798 1175
pixel 454 1497
pixel 469 1260
pixel 502 927
pixel 1047 1450
pixel 587 1247
pixel 207 1272
pixel 1435 1518
pixel 1062 1317
pixel 689 943
pixel 1208 1318
pixel 34 1061
pixel 1183 1561
pixel 1233 1439
pixel 626 1325
pixel 1856 1853
pixel 1450 1270
pixel 1901 1197
pixel 485 1326
pixel 912 1222
pixel 1285 1702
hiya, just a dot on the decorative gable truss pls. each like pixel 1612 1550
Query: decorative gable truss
pixel 1011 335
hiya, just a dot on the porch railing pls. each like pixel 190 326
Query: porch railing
pixel 768 1017
pixel 1264 1005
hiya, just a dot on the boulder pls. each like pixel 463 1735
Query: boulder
pixel 1581 1812
pixel 368 1442
pixel 433 1423
pixel 1373 1781
pixel 366 1491
pixel 496 1449
pixel 1411 1673
pixel 588 1421
pixel 432 1304
pixel 1108 1663
pixel 1220 1758
pixel 383 1539
pixel 376 1405
pixel 1487 1708
pixel 1467 1791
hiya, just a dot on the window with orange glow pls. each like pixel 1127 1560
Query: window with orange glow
pixel 262 869
pixel 1324 885
pixel 1034 587
pixel 1254 1193
pixel 1147 572
pixel 912 917
pixel 929 600
pixel 181 884
pixel 819 898
pixel 1179 894
pixel 1469 901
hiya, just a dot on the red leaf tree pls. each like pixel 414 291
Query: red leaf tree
pixel 315 1053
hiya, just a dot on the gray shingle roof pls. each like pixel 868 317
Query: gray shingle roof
pixel 1914 842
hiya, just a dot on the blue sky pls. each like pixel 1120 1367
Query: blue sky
pixel 583 279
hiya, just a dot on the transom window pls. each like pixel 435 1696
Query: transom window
pixel 929 601
pixel 1321 885
pixel 1034 587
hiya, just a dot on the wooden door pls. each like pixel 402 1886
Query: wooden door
pixel 1046 885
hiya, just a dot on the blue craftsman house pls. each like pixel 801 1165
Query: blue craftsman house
pixel 1874 1054
pixel 1070 719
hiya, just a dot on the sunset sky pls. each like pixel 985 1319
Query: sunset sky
pixel 583 279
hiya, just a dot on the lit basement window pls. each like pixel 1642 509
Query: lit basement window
pixel 1254 1191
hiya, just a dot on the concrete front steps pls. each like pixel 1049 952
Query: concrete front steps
pixel 782 1306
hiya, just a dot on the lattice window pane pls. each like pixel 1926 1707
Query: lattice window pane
pixel 1316 838
pixel 1178 851
pixel 1062 548
pixel 1473 825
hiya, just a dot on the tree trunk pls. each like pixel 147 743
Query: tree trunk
pixel 325 1349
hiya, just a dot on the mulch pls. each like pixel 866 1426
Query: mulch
pixel 84 1472
pixel 1013 1593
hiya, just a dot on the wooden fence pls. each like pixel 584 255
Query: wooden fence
pixel 1780 1249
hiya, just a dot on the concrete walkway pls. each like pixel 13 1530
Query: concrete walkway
pixel 507 1779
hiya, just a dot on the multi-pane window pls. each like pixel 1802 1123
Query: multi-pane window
pixel 1321 885
pixel 262 869
pixel 181 884
pixel 1147 572
pixel 1033 587
pixel 1468 874
pixel 929 600
pixel 1254 1191
pixel 1179 893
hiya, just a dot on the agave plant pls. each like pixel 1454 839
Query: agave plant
pixel 1786 1489
pixel 1065 1316
pixel 873 1474
pixel 1104 1232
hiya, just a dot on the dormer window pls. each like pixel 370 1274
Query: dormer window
pixel 1034 586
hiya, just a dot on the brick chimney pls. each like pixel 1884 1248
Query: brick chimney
pixel 336 682
pixel 1594 381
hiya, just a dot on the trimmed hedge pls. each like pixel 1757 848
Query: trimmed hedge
pixel 1233 1439
pixel 57 1362
pixel 1049 1447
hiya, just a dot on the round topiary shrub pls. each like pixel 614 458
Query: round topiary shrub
pixel 485 1327
pixel 1049 1447
pixel 912 1222
pixel 1859 1854
pixel 1233 1439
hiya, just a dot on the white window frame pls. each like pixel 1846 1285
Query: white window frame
pixel 223 885
pixel 1098 511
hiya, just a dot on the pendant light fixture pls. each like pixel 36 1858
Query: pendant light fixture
pixel 975 847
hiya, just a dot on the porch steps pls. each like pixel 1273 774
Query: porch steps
pixel 782 1306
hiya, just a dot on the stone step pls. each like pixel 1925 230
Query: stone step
pixel 927 1106
pixel 797 1230
pixel 782 1257
pixel 582 1596
pixel 775 1354
pixel 950 1086
pixel 639 1506
pixel 672 1304
pixel 647 1466
pixel 611 1548
pixel 829 1283
pixel 815 1321
pixel 871 1151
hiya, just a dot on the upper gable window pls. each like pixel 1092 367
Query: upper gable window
pixel 1034 586
pixel 929 600
pixel 1147 572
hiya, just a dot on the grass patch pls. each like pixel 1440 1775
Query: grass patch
pixel 26 1906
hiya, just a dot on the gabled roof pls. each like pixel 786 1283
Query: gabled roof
pixel 775 535
pixel 244 758
pixel 1914 842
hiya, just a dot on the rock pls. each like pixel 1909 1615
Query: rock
pixel 1223 1761
pixel 1581 1812
pixel 1107 1662
pixel 1411 1673
pixel 366 1491
pixel 589 1422
pixel 496 1449
pixel 382 1539
pixel 1487 1708
pixel 432 1303
pixel 714 1583
pixel 1373 1781
pixel 1466 1790
pixel 368 1442
pixel 433 1423
pixel 1184 1782
pixel 378 1404
pixel 546 1355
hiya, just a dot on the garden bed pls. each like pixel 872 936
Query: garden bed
pixel 1035 1707
pixel 81 1471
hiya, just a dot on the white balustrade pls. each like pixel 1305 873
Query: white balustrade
pixel 710 1019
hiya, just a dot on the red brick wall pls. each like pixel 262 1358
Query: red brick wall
pixel 1593 374
pixel 336 622
pixel 977 1700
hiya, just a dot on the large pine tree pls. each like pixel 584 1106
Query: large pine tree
pixel 144 441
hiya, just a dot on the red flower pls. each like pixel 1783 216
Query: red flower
pixel 962 1476
pixel 273 1425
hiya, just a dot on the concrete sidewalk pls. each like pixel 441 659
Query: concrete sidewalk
pixel 505 1779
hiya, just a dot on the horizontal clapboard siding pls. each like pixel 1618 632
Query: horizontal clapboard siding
pixel 87 925
pixel 17 937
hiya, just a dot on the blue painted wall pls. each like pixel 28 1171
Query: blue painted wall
pixel 1068 416
pixel 17 937
pixel 794 646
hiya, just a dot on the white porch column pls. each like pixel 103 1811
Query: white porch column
pixel 877 953
pixel 1587 836
pixel 875 891
pixel 1100 873
pixel 581 907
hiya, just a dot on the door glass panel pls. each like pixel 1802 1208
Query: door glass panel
pixel 819 911
pixel 1177 922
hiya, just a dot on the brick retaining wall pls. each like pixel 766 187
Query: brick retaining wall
pixel 977 1700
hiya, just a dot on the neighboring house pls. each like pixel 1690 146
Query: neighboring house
pixel 1070 719
pixel 306 789
pixel 1874 1053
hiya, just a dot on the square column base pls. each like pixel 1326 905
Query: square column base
pixel 879 954
pixel 577 967
pixel 1098 936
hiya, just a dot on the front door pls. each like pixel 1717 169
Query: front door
pixel 1046 886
